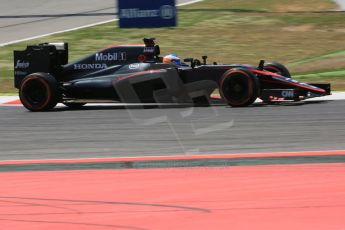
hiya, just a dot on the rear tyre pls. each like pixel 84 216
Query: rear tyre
pixel 39 92
pixel 278 68
pixel 239 87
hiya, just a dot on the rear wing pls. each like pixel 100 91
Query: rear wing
pixel 46 57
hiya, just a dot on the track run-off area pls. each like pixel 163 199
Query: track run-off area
pixel 302 190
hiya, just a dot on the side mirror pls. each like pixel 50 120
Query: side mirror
pixel 204 58
pixel 157 51
pixel 261 65
pixel 188 59
pixel 149 42
pixel 191 60
pixel 196 62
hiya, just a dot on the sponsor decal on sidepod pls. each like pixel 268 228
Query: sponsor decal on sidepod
pixel 134 66
pixel 22 64
pixel 120 56
pixel 90 66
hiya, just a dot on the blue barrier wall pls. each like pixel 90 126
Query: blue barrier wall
pixel 147 13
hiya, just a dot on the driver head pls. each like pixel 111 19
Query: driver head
pixel 172 59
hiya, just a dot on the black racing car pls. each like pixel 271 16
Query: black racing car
pixel 136 74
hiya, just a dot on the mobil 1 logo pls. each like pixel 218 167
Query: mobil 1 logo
pixel 116 56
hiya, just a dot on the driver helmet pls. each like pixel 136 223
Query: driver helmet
pixel 171 59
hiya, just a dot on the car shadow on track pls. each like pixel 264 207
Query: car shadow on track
pixel 179 106
pixel 292 103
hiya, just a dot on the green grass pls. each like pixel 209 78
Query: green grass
pixel 304 35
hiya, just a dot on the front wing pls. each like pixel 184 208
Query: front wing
pixel 272 95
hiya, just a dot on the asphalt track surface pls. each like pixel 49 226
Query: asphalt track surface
pixel 22 19
pixel 113 131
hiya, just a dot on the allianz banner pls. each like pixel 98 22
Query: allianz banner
pixel 147 13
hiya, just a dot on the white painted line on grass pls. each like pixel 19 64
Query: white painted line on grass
pixel 341 4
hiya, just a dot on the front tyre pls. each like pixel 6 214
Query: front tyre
pixel 239 87
pixel 278 68
pixel 39 92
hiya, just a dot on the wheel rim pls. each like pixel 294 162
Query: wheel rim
pixel 35 92
pixel 237 89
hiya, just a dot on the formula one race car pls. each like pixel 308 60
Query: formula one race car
pixel 137 74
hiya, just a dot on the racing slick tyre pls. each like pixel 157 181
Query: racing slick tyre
pixel 39 92
pixel 278 68
pixel 239 87
pixel 74 105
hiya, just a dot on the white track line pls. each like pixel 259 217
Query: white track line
pixel 6 99
pixel 188 3
pixel 57 32
pixel 80 27
pixel 181 156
